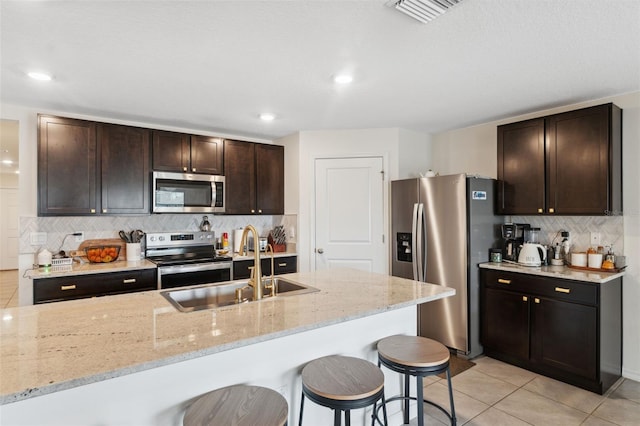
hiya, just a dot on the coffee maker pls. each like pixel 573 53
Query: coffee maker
pixel 512 239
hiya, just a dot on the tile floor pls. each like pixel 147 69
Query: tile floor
pixel 493 393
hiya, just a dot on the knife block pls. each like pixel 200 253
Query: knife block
pixel 277 248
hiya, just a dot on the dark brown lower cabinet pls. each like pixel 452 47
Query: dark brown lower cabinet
pixel 83 286
pixel 281 265
pixel 568 330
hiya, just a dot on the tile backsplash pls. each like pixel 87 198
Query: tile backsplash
pixel 99 227
pixel 611 229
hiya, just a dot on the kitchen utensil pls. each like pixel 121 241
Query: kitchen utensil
pixel 532 254
pixel 137 236
pixel 125 237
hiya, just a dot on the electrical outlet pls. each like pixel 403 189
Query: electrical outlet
pixel 595 238
pixel 38 238
pixel 79 238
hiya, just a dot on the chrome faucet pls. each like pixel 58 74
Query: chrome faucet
pixel 255 280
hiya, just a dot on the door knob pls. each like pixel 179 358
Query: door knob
pixel 320 251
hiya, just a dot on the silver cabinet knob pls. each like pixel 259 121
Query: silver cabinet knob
pixel 320 251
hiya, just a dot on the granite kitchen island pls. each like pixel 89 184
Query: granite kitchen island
pixel 135 359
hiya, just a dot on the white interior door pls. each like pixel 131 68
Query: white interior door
pixel 349 214
pixel 9 228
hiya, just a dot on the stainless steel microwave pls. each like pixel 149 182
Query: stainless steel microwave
pixel 188 193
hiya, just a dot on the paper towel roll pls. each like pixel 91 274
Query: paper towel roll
pixel 237 236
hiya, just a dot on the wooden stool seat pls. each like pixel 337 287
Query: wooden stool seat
pixel 238 405
pixel 413 351
pixel 342 383
pixel 420 357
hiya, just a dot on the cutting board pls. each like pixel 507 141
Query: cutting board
pixel 102 242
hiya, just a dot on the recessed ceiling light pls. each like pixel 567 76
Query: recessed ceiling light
pixel 343 78
pixel 267 116
pixel 40 76
pixel 9 162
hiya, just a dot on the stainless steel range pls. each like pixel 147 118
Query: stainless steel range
pixel 186 258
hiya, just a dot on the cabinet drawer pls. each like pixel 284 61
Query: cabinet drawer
pixel 83 286
pixel 285 265
pixel 559 289
pixel 282 265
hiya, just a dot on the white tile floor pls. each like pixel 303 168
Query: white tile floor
pixel 493 393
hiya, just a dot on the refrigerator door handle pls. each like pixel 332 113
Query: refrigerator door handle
pixel 421 240
pixel 414 246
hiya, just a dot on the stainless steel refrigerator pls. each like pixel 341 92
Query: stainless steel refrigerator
pixel 443 227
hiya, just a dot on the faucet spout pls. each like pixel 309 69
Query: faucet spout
pixel 256 277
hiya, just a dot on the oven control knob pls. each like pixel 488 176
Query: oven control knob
pixel 160 238
pixel 152 238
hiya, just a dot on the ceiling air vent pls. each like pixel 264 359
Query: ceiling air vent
pixel 425 10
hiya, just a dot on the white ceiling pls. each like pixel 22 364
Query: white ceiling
pixel 216 65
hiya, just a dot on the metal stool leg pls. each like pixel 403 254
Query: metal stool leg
pixel 337 419
pixel 347 417
pixel 407 394
pixel 420 400
pixel 301 409
pixel 453 410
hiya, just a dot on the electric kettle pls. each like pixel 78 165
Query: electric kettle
pixel 532 254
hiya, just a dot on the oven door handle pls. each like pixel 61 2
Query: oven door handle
pixel 179 269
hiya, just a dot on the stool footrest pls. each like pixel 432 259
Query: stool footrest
pixel 413 398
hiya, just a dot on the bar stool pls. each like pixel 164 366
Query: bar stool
pixel 238 405
pixel 342 383
pixel 420 357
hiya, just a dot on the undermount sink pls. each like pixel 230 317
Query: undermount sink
pixel 211 296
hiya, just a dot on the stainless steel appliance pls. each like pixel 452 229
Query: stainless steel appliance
pixel 188 193
pixel 186 258
pixel 443 228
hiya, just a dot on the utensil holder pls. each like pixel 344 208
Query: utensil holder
pixel 133 252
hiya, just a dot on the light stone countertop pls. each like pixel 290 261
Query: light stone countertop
pixel 561 272
pixel 56 346
pixel 263 255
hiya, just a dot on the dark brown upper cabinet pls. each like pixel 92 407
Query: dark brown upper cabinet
pixel 67 166
pixel 254 176
pixel 182 153
pixel 89 168
pixel 563 164
pixel 124 158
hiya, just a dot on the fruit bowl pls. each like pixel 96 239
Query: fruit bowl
pixel 102 254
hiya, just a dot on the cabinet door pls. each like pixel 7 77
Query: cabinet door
pixel 171 152
pixel 207 155
pixel 240 177
pixel 270 179
pixel 67 154
pixel 505 325
pixel 579 161
pixel 564 336
pixel 125 155
pixel 521 168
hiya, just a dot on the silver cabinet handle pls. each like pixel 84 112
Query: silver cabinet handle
pixel 129 281
pixel 320 251
pixel 282 265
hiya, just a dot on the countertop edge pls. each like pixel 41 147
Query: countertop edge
pixel 132 369
pixel 559 272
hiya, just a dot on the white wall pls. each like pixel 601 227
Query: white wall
pixel 474 150
pixel 404 154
